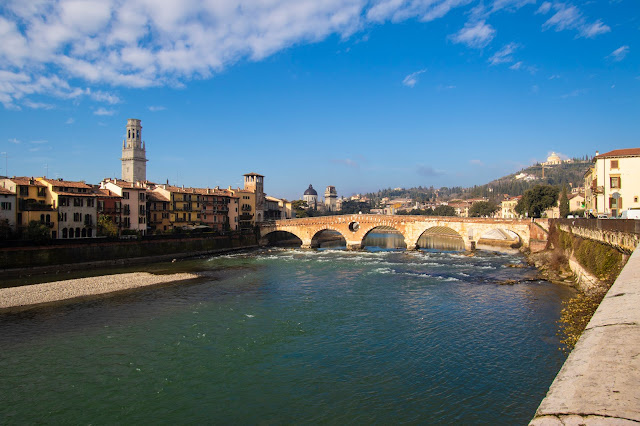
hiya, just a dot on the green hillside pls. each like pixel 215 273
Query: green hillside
pixel 569 174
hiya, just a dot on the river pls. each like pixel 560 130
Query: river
pixel 281 336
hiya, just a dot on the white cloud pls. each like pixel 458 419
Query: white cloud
pixel 569 17
pixel 100 96
pixel 574 93
pixel 103 111
pixel 14 141
pixel 592 30
pixel 47 44
pixel 544 8
pixel 70 120
pixel 412 78
pixel 516 66
pixel 620 53
pixel 504 55
pixel 475 35
pixel 36 105
pixel 156 108
pixel 477 162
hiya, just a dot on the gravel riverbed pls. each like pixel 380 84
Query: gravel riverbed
pixel 14 297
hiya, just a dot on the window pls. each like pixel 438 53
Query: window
pixel 77 217
pixel 88 220
pixel 64 201
pixel 41 192
pixel 91 202
pixel 635 199
pixel 78 202
pixel 614 164
pixel 142 198
pixel 100 205
pixel 125 195
pixel 7 205
pixel 24 191
pixel 615 182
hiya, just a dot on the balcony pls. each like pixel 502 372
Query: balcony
pixel 32 205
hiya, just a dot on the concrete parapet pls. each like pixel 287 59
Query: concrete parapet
pixel 600 381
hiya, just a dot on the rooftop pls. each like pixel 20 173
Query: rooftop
pixel 628 152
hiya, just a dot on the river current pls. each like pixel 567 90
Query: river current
pixel 282 336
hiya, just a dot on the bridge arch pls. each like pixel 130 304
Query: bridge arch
pixel 440 237
pixel 279 237
pixel 500 236
pixel 368 238
pixel 316 234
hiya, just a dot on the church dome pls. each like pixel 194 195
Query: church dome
pixel 310 191
pixel 554 158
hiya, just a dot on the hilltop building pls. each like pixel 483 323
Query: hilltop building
pixel 134 155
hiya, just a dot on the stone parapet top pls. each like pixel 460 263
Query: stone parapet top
pixel 600 381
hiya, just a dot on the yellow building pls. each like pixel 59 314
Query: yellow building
pixel 32 204
pixel 185 205
pixel 76 205
pixel 246 207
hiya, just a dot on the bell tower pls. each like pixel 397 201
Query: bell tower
pixel 134 155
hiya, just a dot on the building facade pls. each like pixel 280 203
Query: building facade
pixel 75 202
pixel 31 203
pixel 134 203
pixel 255 183
pixel 8 207
pixel 613 183
pixel 331 199
pixel 134 154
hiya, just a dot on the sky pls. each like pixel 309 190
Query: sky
pixel 359 94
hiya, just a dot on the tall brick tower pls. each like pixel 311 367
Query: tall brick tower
pixel 134 156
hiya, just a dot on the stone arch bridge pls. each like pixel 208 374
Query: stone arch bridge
pixel 354 228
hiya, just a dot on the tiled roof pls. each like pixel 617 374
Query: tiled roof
pixel 65 183
pixel 5 191
pixel 23 180
pixel 123 183
pixel 106 193
pixel 628 152
pixel 157 196
pixel 74 194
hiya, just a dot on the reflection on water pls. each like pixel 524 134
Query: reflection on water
pixel 441 242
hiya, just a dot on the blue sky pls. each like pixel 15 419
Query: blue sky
pixel 357 94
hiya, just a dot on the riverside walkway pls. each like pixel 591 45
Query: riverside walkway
pixel 599 384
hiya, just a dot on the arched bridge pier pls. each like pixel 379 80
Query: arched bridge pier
pixel 354 228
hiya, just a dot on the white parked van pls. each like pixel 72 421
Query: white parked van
pixel 630 214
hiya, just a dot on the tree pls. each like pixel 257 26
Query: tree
pixel 300 207
pixel 37 231
pixel 482 209
pixel 537 199
pixel 564 203
pixel 444 211
pixel 352 207
pixel 5 230
pixel 106 226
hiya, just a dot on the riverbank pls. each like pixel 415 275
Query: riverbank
pixel 17 298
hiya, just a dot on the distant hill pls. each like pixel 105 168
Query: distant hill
pixel 569 174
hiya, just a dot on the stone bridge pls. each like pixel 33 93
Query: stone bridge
pixel 354 228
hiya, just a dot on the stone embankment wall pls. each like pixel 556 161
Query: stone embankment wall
pixel 123 251
pixel 623 234
pixel 600 381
